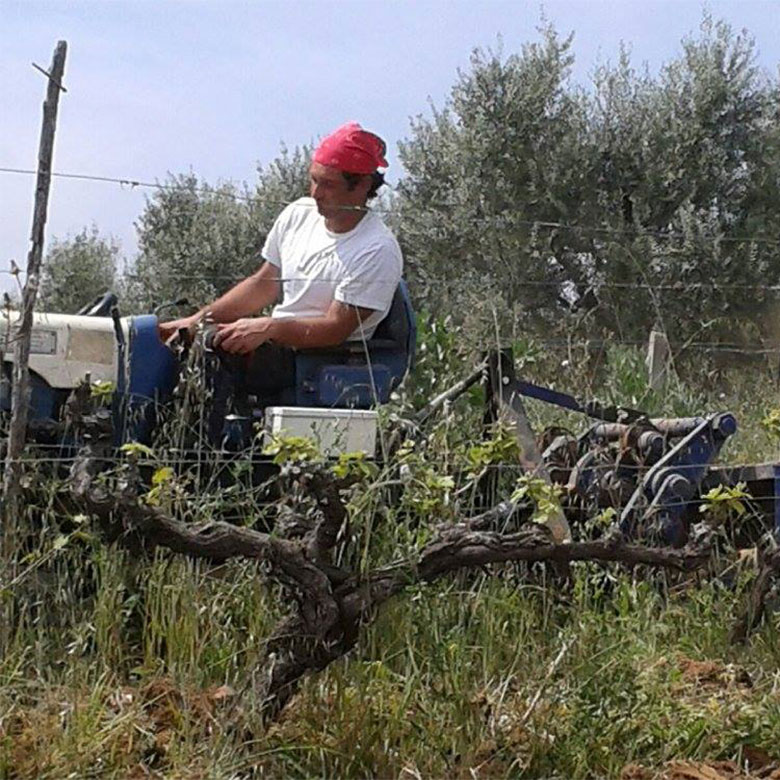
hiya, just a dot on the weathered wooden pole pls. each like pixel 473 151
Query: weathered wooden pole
pixel 23 328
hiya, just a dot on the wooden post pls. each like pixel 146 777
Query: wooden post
pixel 658 354
pixel 21 374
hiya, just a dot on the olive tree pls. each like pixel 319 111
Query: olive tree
pixel 196 240
pixel 507 152
pixel 78 269
pixel 603 209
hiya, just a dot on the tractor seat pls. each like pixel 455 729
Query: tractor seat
pixel 359 374
pixel 391 333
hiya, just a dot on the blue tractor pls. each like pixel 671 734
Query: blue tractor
pixel 127 355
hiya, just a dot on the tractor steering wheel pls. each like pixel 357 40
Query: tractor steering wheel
pixel 100 307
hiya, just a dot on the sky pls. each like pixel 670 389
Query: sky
pixel 216 86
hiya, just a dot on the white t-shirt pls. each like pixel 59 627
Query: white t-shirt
pixel 362 267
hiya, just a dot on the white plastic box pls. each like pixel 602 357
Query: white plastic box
pixel 335 431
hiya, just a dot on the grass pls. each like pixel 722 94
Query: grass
pixel 117 665
pixel 439 685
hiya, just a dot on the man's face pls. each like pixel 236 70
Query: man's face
pixel 331 192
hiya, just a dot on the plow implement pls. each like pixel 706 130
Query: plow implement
pixel 649 473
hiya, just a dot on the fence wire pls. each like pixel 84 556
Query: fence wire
pixel 633 232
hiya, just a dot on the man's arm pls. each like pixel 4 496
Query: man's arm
pixel 334 327
pixel 247 297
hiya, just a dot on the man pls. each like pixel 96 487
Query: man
pixel 331 266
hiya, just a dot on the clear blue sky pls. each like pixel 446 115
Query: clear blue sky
pixel 215 87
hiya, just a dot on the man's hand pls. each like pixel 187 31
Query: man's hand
pixel 167 330
pixel 245 335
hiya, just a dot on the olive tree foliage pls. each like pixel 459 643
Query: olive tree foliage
pixel 197 240
pixel 505 153
pixel 78 269
pixel 684 164
pixel 603 209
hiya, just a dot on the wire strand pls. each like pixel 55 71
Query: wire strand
pixel 593 229
pixel 677 287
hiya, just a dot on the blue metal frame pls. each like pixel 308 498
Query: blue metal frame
pixel 674 480
pixel 149 381
pixel 44 399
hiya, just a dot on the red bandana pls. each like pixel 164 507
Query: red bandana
pixel 352 149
